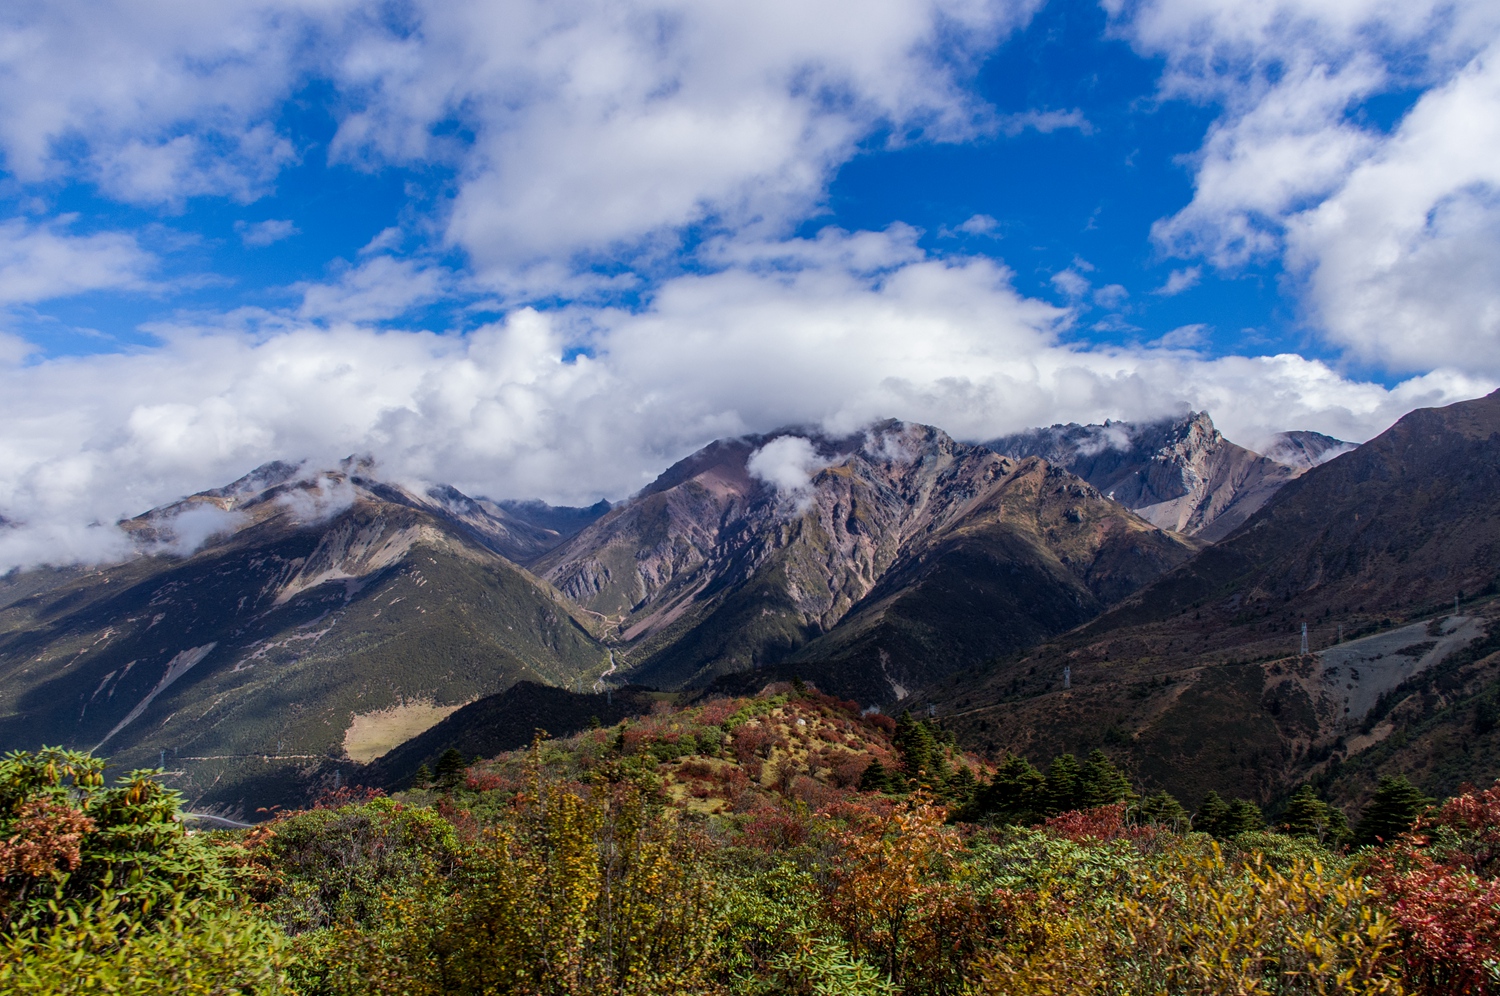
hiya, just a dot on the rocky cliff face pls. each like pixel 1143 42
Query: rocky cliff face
pixel 746 552
pixel 1180 474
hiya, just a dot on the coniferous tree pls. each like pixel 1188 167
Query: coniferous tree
pixel 921 757
pixel 1163 810
pixel 423 777
pixel 1309 816
pixel 962 785
pixel 875 778
pixel 450 768
pixel 1243 817
pixel 1211 815
pixel 1103 783
pixel 1391 811
pixel 1063 791
pixel 1012 797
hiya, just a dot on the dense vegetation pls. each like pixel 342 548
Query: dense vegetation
pixel 778 844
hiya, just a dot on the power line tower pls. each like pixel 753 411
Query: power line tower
pixel 1304 640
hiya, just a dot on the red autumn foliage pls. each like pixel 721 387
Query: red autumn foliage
pixel 775 830
pixel 1442 892
pixel 1102 823
pixel 346 795
pixel 751 740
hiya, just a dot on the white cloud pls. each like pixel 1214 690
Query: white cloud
pixel 1183 337
pixel 1180 280
pixel 979 224
pixel 788 464
pixel 40 261
pixel 263 233
pixel 589 125
pixel 379 288
pixel 1392 237
pixel 155 101
pixel 1402 263
pixel 833 342
pixel 1072 283
pixel 1111 296
pixel 1045 122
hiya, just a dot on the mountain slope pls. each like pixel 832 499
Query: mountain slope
pixel 1199 675
pixel 1180 474
pixel 246 663
pixel 712 570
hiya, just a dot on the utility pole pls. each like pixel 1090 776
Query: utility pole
pixel 1304 640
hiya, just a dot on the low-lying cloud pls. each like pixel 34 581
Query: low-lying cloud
pixel 843 331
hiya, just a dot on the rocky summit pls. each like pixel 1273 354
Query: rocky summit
pixel 1179 474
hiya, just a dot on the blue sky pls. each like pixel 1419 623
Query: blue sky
pixel 545 248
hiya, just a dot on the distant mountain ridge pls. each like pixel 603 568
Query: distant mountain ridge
pixel 297 619
pixel 1198 679
pixel 274 613
pixel 712 569
pixel 1180 473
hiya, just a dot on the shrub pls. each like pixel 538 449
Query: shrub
pixel 67 841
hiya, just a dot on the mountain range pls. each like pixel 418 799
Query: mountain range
pixel 298 624
pixel 1388 555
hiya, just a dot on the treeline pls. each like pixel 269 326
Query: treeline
pixel 604 865
pixel 1018 794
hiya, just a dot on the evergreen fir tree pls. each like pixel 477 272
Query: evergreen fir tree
pixel 1161 809
pixel 1013 797
pixel 920 755
pixel 1309 816
pixel 1103 783
pixel 450 768
pixel 1211 814
pixel 1064 789
pixel 1243 817
pixel 423 777
pixel 875 778
pixel 1391 811
pixel 962 785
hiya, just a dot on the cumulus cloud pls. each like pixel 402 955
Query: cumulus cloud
pixel 184 532
pixel 788 464
pixel 979 224
pixel 379 288
pixel 44 260
pixel 1392 236
pixel 263 233
pixel 155 102
pixel 1045 122
pixel 1180 280
pixel 512 410
pixel 584 127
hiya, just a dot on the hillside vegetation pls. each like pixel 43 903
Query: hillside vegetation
pixel 781 843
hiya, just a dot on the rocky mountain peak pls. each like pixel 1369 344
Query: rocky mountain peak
pixel 1179 473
